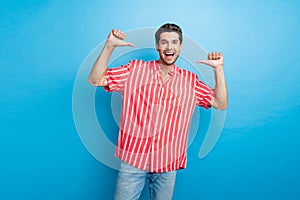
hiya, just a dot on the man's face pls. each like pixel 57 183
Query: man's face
pixel 168 47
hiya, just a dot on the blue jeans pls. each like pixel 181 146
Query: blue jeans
pixel 131 181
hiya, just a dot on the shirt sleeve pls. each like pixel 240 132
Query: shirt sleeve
pixel 204 94
pixel 117 77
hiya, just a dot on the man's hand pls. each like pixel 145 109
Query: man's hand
pixel 215 60
pixel 117 38
pixel 97 76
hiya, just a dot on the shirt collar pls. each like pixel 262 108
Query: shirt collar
pixel 174 69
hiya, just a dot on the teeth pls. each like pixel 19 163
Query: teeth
pixel 169 54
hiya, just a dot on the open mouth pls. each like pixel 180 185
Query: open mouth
pixel 169 55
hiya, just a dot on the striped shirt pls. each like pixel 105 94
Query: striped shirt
pixel 156 114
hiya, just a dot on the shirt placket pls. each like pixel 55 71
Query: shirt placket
pixel 159 103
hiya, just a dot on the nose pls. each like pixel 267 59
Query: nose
pixel 169 46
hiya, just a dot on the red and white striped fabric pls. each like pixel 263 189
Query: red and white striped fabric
pixel 156 114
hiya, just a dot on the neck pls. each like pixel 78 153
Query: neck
pixel 164 67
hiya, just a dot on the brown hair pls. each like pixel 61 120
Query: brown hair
pixel 168 27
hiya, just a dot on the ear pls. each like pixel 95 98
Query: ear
pixel 156 46
pixel 181 45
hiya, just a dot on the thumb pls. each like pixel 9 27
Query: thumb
pixel 207 62
pixel 129 44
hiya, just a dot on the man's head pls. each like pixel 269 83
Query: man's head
pixel 168 27
pixel 168 43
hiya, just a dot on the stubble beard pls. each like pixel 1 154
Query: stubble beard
pixel 164 62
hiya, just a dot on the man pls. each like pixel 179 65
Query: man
pixel 158 100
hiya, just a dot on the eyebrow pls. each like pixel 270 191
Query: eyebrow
pixel 165 40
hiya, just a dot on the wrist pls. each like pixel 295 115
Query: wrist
pixel 109 45
pixel 219 68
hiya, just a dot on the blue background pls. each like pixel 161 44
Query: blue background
pixel 43 44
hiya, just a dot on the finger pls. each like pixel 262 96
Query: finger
pixel 114 32
pixel 121 35
pixel 214 55
pixel 118 34
pixel 218 55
